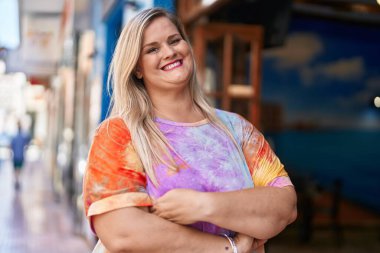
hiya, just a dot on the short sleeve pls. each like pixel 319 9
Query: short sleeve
pixel 114 176
pixel 264 166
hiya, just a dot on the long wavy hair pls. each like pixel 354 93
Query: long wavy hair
pixel 130 99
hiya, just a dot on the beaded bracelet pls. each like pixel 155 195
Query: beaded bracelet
pixel 232 242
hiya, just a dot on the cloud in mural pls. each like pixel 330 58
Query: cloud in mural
pixel 300 49
pixel 344 70
pixel 370 90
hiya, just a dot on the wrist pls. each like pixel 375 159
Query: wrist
pixel 206 206
pixel 232 243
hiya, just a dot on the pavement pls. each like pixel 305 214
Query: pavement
pixel 31 221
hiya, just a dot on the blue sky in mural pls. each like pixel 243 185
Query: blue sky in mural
pixel 327 74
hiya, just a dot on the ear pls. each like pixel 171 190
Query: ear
pixel 138 73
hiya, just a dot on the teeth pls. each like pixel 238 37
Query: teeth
pixel 173 65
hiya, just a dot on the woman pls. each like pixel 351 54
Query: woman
pixel 168 173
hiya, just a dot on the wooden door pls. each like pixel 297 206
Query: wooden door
pixel 233 53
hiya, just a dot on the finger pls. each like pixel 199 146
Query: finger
pixel 261 242
pixel 254 244
pixel 258 243
pixel 260 249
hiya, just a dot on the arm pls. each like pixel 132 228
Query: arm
pixel 134 230
pixel 260 212
pixel 270 206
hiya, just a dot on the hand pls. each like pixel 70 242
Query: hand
pixel 258 246
pixel 248 244
pixel 244 243
pixel 182 206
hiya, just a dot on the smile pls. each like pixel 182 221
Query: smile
pixel 172 65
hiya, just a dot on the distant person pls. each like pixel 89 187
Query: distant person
pixel 4 148
pixel 18 146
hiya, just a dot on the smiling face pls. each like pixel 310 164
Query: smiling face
pixel 165 61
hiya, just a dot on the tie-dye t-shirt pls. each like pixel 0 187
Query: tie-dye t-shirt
pixel 208 161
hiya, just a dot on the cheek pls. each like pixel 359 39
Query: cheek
pixel 147 64
pixel 189 57
pixel 187 50
pixel 190 63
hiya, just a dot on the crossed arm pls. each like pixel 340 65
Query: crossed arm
pixel 261 212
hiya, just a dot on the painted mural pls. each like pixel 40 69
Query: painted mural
pixel 325 79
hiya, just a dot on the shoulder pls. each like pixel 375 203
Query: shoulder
pixel 243 129
pixel 231 118
pixel 226 115
pixel 113 128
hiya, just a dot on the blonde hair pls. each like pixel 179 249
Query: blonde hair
pixel 131 102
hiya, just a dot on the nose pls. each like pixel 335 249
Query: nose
pixel 168 51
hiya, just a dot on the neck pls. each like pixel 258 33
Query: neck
pixel 177 107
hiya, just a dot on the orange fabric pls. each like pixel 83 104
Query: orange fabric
pixel 114 175
pixel 264 166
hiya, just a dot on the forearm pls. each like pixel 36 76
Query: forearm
pixel 133 230
pixel 260 212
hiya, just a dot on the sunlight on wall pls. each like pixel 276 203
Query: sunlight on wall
pixel 9 31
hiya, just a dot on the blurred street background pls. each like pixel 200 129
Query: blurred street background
pixel 306 73
pixel 31 219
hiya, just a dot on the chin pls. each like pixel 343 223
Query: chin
pixel 183 80
pixel 180 77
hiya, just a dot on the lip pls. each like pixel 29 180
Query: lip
pixel 177 60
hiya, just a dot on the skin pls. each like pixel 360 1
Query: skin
pixel 261 212
pixel 168 89
pixel 158 51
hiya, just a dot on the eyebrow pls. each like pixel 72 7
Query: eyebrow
pixel 154 42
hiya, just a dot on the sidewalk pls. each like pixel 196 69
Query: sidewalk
pixel 30 220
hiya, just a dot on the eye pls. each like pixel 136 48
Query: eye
pixel 175 41
pixel 152 50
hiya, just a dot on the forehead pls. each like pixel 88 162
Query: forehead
pixel 159 28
